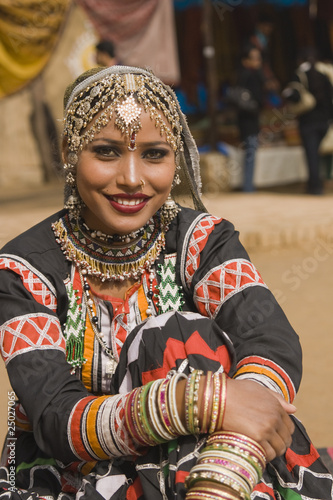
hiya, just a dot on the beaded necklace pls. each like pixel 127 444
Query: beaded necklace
pixel 93 255
pixel 108 238
pixel 104 260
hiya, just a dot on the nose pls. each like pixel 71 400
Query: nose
pixel 130 172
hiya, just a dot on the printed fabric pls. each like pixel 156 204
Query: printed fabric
pixel 208 299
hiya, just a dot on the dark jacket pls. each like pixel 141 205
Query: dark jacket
pixel 252 80
pixel 320 86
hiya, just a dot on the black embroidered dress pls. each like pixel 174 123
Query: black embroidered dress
pixel 227 319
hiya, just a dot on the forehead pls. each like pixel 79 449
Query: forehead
pixel 114 98
pixel 147 131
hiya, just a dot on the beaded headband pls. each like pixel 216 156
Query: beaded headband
pixel 121 96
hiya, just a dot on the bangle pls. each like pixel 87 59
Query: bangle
pixel 222 404
pixel 174 415
pixel 216 402
pixel 195 424
pixel 207 403
pixel 191 402
pixel 137 418
pixel 163 407
pixel 211 493
pixel 153 412
pixel 218 474
pixel 144 417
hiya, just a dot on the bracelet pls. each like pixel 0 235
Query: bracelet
pixel 210 493
pixel 154 414
pixel 207 403
pixel 218 474
pixel 163 408
pixel 216 402
pixel 174 415
pixel 195 424
pixel 223 398
pixel 189 404
pixel 144 417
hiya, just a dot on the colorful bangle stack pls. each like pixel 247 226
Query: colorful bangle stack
pixel 231 460
pixel 151 415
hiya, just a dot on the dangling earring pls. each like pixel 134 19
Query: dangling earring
pixel 176 180
pixel 169 210
pixel 73 202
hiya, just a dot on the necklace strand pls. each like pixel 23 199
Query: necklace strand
pixel 93 318
pixel 114 238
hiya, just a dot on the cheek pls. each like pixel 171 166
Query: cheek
pixel 89 175
pixel 162 178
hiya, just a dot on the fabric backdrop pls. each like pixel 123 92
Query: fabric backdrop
pixel 29 30
pixel 143 32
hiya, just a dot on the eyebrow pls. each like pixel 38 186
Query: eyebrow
pixel 121 143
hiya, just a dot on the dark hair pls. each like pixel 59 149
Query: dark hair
pixel 309 54
pixel 246 50
pixel 106 46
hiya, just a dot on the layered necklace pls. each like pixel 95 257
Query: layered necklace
pixel 110 257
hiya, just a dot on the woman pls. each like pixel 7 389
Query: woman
pixel 113 320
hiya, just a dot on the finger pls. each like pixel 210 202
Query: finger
pixel 288 407
pixel 287 421
pixel 280 443
pixel 269 451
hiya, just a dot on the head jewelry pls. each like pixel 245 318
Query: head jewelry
pixel 121 92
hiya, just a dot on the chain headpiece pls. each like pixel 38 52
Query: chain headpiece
pixel 121 92
pixel 121 96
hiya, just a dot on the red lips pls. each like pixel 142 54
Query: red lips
pixel 128 203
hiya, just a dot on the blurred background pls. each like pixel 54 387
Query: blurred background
pixel 195 46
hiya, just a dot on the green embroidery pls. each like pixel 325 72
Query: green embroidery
pixel 38 461
pixel 74 328
pixel 170 294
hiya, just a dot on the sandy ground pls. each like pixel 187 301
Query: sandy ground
pixel 289 238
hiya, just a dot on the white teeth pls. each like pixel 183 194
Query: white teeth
pixel 121 201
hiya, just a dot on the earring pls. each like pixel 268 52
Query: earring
pixel 176 180
pixel 73 201
pixel 142 183
pixel 169 210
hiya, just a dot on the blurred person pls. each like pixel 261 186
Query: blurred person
pixel 105 53
pixel 313 124
pixel 250 78
pixel 260 38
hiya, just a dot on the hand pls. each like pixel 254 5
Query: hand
pixel 259 413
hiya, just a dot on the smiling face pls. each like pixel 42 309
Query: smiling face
pixel 109 177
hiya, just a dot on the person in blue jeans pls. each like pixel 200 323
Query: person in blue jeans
pixel 251 78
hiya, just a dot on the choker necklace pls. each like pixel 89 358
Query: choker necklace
pixel 111 238
pixel 107 262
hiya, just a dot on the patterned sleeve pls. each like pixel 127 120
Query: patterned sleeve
pixel 226 286
pixel 62 414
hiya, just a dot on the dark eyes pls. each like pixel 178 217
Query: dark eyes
pixel 155 154
pixel 107 152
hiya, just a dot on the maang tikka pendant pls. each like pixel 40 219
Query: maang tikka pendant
pixel 129 112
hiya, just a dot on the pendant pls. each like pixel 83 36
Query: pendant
pixel 110 368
